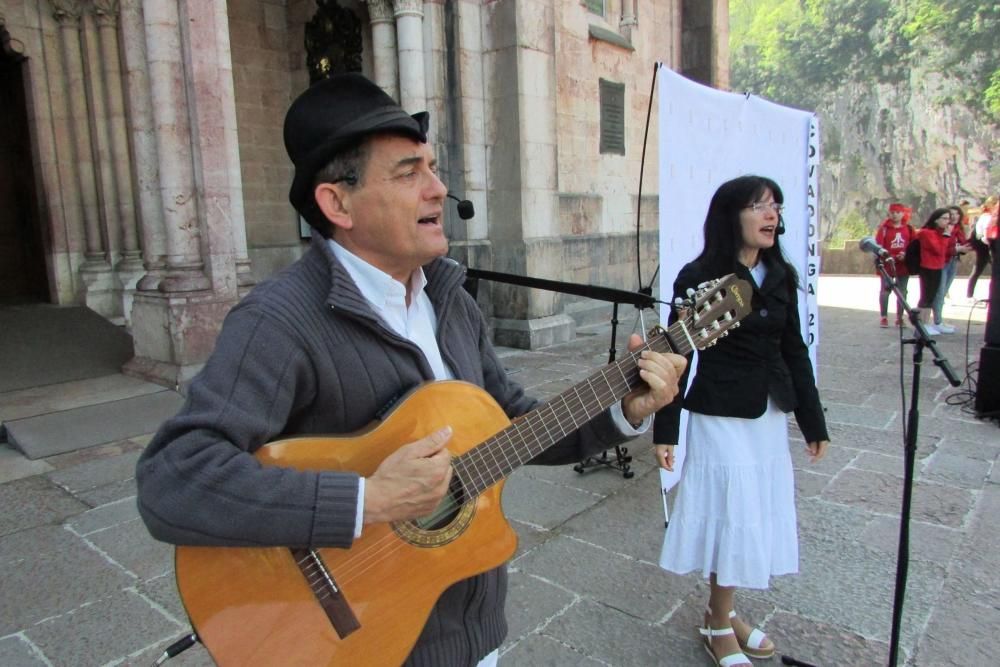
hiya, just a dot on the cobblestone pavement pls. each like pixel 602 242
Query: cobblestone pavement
pixel 83 584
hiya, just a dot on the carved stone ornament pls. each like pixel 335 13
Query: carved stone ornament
pixel 106 12
pixel 408 7
pixel 67 11
pixel 333 41
pixel 380 10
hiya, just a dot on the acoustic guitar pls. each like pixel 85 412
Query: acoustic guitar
pixel 367 605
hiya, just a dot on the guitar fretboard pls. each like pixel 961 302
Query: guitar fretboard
pixel 534 432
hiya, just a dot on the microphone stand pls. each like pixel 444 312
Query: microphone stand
pixel 920 341
pixel 641 299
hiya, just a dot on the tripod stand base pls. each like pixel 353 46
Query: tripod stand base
pixel 622 462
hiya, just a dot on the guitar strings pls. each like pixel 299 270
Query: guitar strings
pixel 504 444
pixel 376 551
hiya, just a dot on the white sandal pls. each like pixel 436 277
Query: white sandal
pixel 730 660
pixel 755 642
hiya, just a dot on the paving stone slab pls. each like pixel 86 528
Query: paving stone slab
pixel 68 395
pixel 105 516
pixel 34 501
pixel 973 449
pixel 542 650
pixel 94 473
pixel 531 603
pixel 934 503
pixel 613 579
pixel 14 465
pixel 960 633
pixel 879 440
pixel 859 415
pixel 17 651
pixel 46 572
pixel 109 493
pixel 542 503
pixel 96 635
pixel 929 542
pixel 819 643
pixel 130 545
pixel 853 584
pixel 630 522
pixel 960 471
pixel 610 636
pixel 58 432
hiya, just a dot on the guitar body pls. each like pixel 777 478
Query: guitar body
pixel 254 606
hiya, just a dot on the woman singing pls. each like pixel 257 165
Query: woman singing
pixel 734 517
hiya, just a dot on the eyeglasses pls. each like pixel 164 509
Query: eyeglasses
pixel 763 206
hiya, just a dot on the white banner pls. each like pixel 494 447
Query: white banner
pixel 708 137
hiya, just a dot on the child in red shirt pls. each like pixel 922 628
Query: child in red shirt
pixel 894 234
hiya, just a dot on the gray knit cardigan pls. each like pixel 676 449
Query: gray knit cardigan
pixel 304 353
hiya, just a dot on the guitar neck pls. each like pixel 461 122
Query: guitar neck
pixel 534 432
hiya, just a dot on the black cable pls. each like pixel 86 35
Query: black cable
pixel 638 201
pixel 179 646
pixel 966 398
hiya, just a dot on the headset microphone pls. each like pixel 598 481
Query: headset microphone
pixel 465 208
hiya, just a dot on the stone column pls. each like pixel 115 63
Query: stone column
pixel 384 45
pixel 106 13
pixel 231 185
pixel 471 91
pixel 145 168
pixel 190 72
pixel 520 98
pixel 172 129
pixel 95 271
pixel 410 38
pixel 628 21
pixel 67 14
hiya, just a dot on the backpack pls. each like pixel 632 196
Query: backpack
pixel 912 256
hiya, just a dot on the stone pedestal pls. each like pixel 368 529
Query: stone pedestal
pixel 174 335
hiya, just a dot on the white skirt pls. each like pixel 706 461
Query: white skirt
pixel 735 509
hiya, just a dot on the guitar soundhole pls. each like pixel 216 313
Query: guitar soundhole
pixel 447 509
pixel 449 520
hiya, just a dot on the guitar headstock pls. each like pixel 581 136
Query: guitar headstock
pixel 711 310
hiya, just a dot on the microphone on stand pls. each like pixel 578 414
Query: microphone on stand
pixel 868 244
pixel 465 208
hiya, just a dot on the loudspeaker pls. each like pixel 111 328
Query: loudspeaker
pixel 988 384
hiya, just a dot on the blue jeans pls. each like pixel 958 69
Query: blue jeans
pixel 947 275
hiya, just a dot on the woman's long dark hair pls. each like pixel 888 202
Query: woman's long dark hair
pixel 723 233
pixel 935 215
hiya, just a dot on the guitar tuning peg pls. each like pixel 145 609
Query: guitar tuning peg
pixel 690 292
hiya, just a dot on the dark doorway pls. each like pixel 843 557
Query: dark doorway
pixel 22 258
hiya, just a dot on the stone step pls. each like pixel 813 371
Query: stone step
pixel 69 430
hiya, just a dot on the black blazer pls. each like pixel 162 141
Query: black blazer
pixel 764 356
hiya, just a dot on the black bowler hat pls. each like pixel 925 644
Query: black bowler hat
pixel 334 114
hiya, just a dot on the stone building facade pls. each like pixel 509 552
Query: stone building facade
pixel 143 174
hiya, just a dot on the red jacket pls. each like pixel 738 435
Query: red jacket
pixel 894 239
pixel 933 247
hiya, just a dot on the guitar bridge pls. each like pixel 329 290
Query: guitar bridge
pixel 328 594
